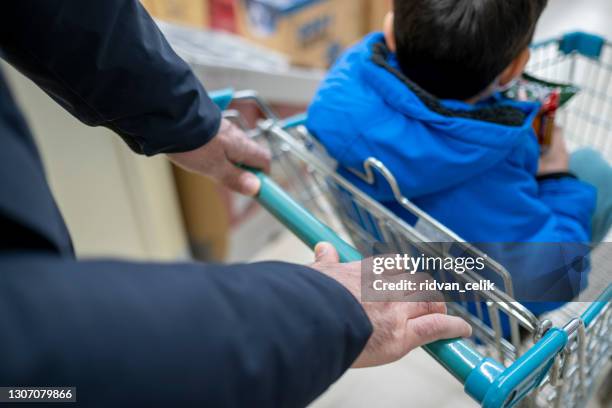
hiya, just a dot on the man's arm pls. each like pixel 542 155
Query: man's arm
pixel 268 334
pixel 108 64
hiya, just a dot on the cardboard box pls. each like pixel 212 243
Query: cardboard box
pixel 349 21
pixel 194 13
pixel 311 32
pixel 149 5
pixel 223 15
pixel 376 12
pixel 205 214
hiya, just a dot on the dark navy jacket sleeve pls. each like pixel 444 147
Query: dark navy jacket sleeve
pixel 107 63
pixel 262 335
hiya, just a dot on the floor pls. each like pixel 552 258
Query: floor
pixel 416 381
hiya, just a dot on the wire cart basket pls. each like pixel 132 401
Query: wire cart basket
pixel 567 352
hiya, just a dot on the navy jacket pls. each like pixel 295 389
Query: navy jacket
pixel 269 334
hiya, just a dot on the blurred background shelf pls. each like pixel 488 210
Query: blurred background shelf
pixel 224 60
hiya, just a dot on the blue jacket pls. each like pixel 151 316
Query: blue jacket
pixel 472 167
pixel 138 334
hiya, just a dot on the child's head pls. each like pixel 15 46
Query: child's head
pixel 460 49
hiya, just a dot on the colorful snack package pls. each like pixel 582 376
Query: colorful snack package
pixel 551 95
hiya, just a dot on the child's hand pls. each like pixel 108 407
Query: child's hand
pixel 556 159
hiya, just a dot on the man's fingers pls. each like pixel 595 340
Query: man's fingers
pixel 240 181
pixel 431 296
pixel 422 308
pixel 431 327
pixel 257 157
pixel 326 253
pixel 242 150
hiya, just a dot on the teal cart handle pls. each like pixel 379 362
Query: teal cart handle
pixel 222 98
pixel 597 307
pixel 455 355
pixel 300 221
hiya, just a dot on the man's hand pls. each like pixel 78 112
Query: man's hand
pixel 218 159
pixel 556 159
pixel 399 327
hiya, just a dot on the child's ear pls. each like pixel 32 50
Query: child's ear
pixel 389 32
pixel 516 68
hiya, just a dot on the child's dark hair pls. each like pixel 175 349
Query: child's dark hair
pixel 455 49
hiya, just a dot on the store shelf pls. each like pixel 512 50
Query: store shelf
pixel 224 60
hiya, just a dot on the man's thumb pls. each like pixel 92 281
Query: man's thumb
pixel 325 252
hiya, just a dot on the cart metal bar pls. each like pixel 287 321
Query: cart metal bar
pixel 455 355
pixel 596 307
pixel 510 386
pixel 300 221
pixel 485 379
pixel 293 121
pixel 504 301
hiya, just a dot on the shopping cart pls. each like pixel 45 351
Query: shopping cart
pixel 559 365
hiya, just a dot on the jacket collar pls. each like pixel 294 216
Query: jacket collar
pixel 494 110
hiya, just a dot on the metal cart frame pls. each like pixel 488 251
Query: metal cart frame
pixel 560 365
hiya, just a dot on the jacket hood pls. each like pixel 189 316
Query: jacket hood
pixel 366 107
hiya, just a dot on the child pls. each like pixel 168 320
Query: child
pixel 423 98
